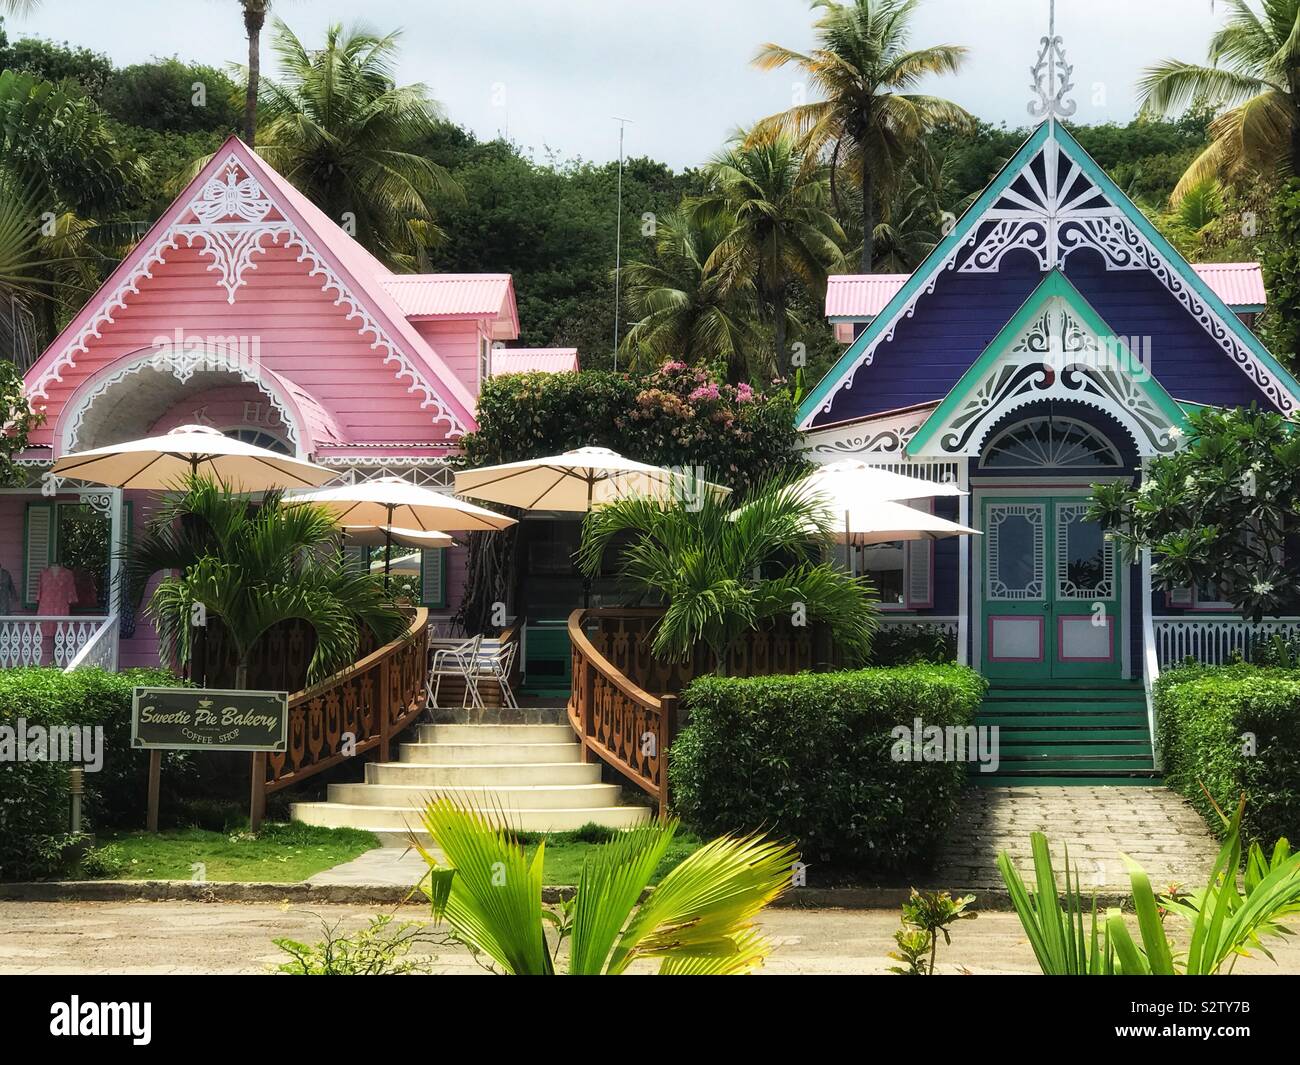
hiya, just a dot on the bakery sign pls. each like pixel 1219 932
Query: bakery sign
pixel 198 719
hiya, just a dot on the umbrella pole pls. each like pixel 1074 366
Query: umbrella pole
pixel 388 546
pixel 586 581
pixel 848 545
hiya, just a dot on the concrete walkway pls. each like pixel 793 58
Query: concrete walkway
pixel 189 937
pixel 1152 825
pixel 389 866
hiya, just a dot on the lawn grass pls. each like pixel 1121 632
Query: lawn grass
pixel 566 851
pixel 279 853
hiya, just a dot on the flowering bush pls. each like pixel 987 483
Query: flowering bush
pixel 17 417
pixel 1222 511
pixel 675 416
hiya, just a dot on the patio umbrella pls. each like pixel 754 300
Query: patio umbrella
pixel 576 480
pixel 189 450
pixel 389 502
pixel 849 479
pixel 380 535
pixel 883 521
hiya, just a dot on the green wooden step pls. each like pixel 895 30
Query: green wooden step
pixel 1052 709
pixel 1071 763
pixel 1138 778
pixel 1122 749
pixel 1071 735
pixel 1122 719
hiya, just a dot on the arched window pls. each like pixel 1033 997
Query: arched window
pixel 1049 443
pixel 258 438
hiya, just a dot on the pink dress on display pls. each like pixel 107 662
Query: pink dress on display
pixel 58 591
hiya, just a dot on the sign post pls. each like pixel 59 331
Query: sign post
pixel 209 719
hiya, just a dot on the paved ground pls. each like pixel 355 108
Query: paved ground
pixel 1154 826
pixel 383 865
pixel 180 938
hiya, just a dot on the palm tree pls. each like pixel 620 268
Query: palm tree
pixel 684 310
pixel 1254 71
pixel 778 198
pixel 255 567
pixel 912 219
pixel 338 126
pixel 708 562
pixel 254 19
pixel 698 920
pixel 868 117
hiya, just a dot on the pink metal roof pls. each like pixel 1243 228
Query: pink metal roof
pixel 533 360
pixel 454 296
pixel 862 296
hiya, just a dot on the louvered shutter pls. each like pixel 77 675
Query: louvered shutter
pixel 920 568
pixel 38 549
pixel 433 576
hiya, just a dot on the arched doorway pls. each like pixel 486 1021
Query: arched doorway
pixel 1052 590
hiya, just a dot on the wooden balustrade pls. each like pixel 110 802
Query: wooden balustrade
pixel 372 701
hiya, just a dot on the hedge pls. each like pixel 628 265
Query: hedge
pixel 34 803
pixel 808 757
pixel 1205 719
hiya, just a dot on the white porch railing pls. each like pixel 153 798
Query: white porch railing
pixel 100 651
pixel 1213 640
pixel 36 640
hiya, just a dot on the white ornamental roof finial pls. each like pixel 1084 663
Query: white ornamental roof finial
pixel 1051 76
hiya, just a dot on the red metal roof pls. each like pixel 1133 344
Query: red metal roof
pixel 863 296
pixel 533 360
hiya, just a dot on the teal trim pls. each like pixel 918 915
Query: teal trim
pixel 1055 285
pixel 921 277
pixel 1184 268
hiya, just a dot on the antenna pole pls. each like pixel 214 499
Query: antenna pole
pixel 618 236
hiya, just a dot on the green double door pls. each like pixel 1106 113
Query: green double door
pixel 1051 592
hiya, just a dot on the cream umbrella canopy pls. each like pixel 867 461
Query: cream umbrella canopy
pixel 576 481
pixel 883 522
pixel 379 535
pixel 849 481
pixel 392 502
pixel 160 462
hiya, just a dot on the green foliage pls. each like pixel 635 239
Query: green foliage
pixel 255 566
pixel 1220 510
pixel 675 416
pixel 34 804
pixel 337 125
pixel 89 71
pixel 379 949
pixel 926 916
pixel 710 564
pixel 1281 264
pixel 18 418
pixel 1233 730
pixel 809 757
pixel 1225 918
pixel 698 920
pixel 906 645
pixel 161 96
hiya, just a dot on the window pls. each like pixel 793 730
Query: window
pixel 258 438
pixel 484 360
pixel 885 565
pixel 1050 443
pixel 75 536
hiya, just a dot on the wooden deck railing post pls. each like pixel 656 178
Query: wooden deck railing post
pixel 667 730
pixel 384 717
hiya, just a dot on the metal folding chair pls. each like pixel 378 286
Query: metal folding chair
pixel 494 663
pixel 456 661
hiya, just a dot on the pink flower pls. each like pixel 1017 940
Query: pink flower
pixel 672 367
pixel 744 394
pixel 709 391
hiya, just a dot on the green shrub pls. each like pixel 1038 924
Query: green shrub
pixel 1234 729
pixel 808 757
pixel 34 803
pixel 907 645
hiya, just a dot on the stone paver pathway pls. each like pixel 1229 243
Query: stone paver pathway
pixel 1152 825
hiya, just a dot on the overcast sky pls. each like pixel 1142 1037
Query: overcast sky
pixel 552 73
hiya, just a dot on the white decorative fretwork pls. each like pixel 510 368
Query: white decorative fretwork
pixel 1033 514
pixel 28 640
pixel 1080 586
pixel 1056 358
pixel 884 435
pixel 1051 76
pixel 231 219
pixel 437 474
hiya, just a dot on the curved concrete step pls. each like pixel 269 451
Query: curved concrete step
pixel 394 824
pixel 496 734
pixel 488 753
pixel 415 775
pixel 521 797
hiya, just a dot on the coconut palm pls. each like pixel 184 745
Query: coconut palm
pixel 778 200
pixel 868 116
pixel 254 567
pixel 1254 71
pixel 339 127
pixel 711 565
pixel 698 920
pixel 684 310
pixel 254 19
